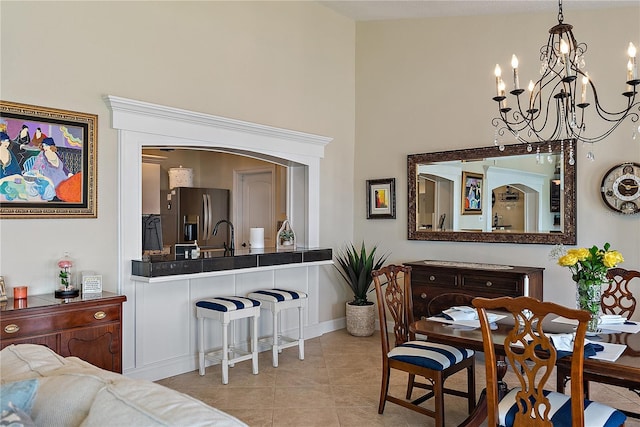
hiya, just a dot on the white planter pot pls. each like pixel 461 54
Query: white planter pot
pixel 361 320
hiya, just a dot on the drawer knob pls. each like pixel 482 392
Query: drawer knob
pixel 423 295
pixel 489 284
pixel 100 315
pixel 12 328
pixel 432 278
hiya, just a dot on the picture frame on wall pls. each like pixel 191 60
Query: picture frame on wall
pixel 471 193
pixel 48 163
pixel 381 198
pixel 3 290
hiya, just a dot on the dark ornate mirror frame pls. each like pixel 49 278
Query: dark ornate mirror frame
pixel 567 237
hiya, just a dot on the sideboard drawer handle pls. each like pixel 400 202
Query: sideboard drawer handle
pixel 423 295
pixel 12 328
pixel 432 278
pixel 100 315
pixel 489 284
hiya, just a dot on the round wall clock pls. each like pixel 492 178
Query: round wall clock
pixel 621 188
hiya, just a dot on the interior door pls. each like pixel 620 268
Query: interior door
pixel 255 205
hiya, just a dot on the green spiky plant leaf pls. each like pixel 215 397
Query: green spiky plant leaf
pixel 356 267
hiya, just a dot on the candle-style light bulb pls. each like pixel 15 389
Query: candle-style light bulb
pixel 498 73
pixel 564 51
pixel 514 65
pixel 531 87
pixel 632 67
pixel 585 82
pixel 501 92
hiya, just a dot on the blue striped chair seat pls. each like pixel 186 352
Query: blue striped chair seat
pixel 429 355
pixel 277 295
pixel 227 303
pixel 595 414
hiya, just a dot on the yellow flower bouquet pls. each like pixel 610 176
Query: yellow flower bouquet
pixel 589 270
pixel 589 266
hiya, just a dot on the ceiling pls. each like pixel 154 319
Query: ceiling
pixel 374 10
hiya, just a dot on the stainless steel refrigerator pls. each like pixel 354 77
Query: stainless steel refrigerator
pixel 190 214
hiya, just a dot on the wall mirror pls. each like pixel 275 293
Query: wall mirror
pixel 492 195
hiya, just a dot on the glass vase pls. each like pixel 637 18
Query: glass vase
pixel 588 298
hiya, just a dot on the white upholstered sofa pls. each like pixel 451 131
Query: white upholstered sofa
pixel 71 392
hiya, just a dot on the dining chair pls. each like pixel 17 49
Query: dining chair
pixel 616 299
pixel 434 361
pixel 532 356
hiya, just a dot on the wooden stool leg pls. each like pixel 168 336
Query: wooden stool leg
pixel 276 345
pixel 301 332
pixel 201 365
pixel 225 353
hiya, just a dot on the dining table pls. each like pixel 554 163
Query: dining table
pixel 623 371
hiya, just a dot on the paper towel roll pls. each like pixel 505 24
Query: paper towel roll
pixel 256 238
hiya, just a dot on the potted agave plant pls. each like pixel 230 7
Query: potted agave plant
pixel 356 267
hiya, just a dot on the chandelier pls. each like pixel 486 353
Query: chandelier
pixel 553 107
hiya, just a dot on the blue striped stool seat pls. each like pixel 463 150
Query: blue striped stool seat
pixel 277 295
pixel 227 303
pixel 595 414
pixel 429 355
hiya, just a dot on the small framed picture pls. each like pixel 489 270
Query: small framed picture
pixel 381 198
pixel 3 290
pixel 91 284
pixel 471 193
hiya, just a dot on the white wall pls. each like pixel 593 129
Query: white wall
pixel 426 85
pixel 284 64
pixel 300 66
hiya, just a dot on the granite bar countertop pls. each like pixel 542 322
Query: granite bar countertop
pixel 210 261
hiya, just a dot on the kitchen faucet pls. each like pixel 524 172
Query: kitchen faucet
pixel 215 231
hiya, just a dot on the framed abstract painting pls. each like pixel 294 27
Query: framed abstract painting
pixel 47 162
pixel 381 198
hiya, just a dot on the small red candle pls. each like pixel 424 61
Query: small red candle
pixel 20 292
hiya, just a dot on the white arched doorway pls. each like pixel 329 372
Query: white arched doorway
pixel 141 124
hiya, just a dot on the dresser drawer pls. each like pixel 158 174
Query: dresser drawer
pixel 21 326
pixel 480 285
pixel 434 278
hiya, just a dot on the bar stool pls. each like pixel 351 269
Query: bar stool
pixel 225 309
pixel 277 300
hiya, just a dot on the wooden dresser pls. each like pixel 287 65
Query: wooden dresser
pixel 88 327
pixel 430 279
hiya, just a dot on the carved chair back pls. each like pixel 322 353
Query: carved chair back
pixel 532 357
pixel 395 299
pixel 617 298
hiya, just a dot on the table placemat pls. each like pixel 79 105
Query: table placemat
pixel 466 323
pixel 628 327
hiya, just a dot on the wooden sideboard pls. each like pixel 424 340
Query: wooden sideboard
pixel 465 280
pixel 88 327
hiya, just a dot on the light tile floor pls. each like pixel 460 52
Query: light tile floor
pixel 338 384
